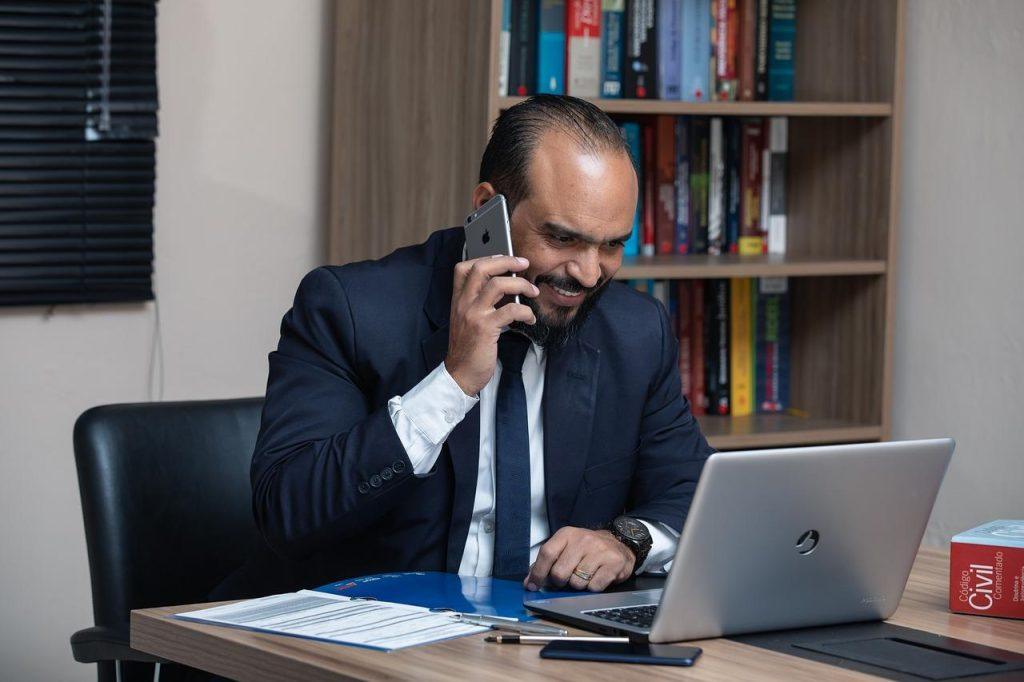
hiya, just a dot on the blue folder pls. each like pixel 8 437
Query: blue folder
pixel 444 591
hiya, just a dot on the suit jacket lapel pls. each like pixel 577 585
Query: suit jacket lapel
pixel 570 400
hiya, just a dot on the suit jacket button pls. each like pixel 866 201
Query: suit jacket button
pixel 363 488
pixel 386 473
pixel 375 481
pixel 398 466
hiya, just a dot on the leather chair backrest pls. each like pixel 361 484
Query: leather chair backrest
pixel 166 500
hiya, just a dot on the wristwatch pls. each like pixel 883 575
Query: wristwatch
pixel 634 535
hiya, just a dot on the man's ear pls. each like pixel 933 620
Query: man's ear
pixel 483 193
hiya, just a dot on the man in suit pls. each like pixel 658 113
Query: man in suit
pixel 403 430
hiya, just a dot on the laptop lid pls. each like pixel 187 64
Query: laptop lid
pixel 799 537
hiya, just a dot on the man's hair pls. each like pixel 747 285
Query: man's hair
pixel 518 130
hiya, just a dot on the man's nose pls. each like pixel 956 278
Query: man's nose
pixel 586 269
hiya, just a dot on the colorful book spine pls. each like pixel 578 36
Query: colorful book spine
pixel 716 190
pixel 684 318
pixel 634 138
pixel 774 204
pixel 504 47
pixel 699 160
pixel 716 346
pixel 726 44
pixel 551 48
pixel 772 335
pixel 647 243
pixel 741 347
pixel 640 71
pixel 698 389
pixel 613 37
pixel 732 132
pixel 781 40
pixel 751 240
pixel 682 182
pixel 696 50
pixel 583 62
pixel 761 52
pixel 665 165
pixel 745 56
pixel 523 51
pixel 670 49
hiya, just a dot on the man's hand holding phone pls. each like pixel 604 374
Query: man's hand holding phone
pixel 477 318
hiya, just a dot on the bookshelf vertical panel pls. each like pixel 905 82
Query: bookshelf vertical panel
pixel 837 197
pixel 844 50
pixel 411 92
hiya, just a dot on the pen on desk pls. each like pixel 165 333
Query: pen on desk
pixel 535 639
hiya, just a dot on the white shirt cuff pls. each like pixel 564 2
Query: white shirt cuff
pixel 425 416
pixel 663 548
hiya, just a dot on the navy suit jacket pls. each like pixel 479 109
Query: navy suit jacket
pixel 334 494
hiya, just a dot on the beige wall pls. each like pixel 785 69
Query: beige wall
pixel 959 356
pixel 240 217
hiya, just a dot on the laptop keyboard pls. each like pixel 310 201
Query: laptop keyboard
pixel 636 616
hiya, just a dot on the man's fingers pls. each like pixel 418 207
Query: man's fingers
pixel 546 557
pixel 603 577
pixel 497 288
pixel 589 566
pixel 512 312
pixel 562 570
pixel 476 272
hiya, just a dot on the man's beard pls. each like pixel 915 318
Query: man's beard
pixel 560 327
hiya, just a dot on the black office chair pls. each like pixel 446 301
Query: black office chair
pixel 166 502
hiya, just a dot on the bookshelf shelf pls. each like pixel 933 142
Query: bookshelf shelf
pixel 674 108
pixel 707 267
pixel 781 430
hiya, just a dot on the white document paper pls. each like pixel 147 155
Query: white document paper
pixel 333 618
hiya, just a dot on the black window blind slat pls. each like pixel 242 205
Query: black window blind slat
pixel 78 119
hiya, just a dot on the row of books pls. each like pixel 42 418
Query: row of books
pixel 690 50
pixel 734 341
pixel 709 185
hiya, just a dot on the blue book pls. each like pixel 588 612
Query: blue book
pixel 771 367
pixel 504 47
pixel 613 36
pixel 670 49
pixel 444 592
pixel 697 25
pixel 781 39
pixel 631 131
pixel 733 141
pixel 551 48
pixel 682 186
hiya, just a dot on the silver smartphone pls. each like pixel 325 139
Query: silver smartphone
pixel 488 232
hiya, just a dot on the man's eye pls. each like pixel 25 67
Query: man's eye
pixel 562 239
pixel 616 243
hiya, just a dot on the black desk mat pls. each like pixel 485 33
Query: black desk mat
pixel 893 652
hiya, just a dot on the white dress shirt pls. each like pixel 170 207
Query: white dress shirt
pixel 426 415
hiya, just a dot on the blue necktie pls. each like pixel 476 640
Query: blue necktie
pixel 512 463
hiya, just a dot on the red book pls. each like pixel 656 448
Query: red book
pixel 583 48
pixel 684 318
pixel 986 570
pixel 650 192
pixel 698 392
pixel 748 48
pixel 752 242
pixel 727 33
pixel 665 160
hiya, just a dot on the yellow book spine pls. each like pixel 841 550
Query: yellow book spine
pixel 741 353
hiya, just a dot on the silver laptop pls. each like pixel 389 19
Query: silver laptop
pixel 780 539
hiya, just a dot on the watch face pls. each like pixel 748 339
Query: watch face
pixel 631 528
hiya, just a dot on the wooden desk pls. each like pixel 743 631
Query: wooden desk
pixel 244 655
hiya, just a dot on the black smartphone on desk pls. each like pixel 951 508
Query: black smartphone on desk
pixel 625 652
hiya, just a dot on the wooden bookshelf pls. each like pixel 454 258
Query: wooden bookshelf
pixel 411 121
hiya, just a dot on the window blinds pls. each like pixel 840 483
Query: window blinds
pixel 78 116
